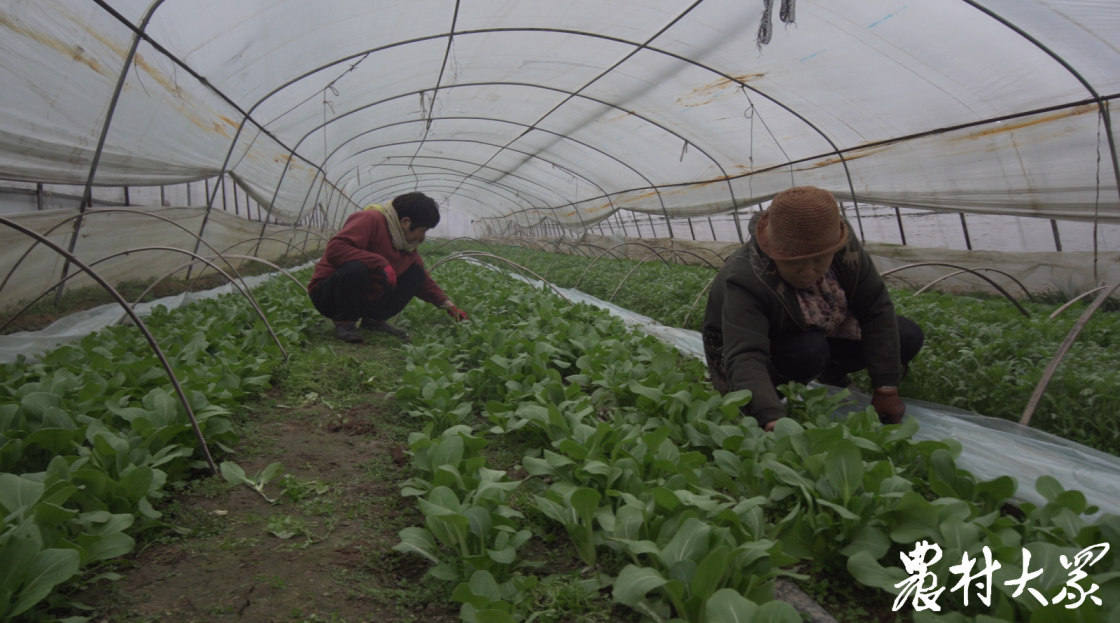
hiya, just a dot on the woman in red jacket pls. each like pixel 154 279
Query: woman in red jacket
pixel 371 269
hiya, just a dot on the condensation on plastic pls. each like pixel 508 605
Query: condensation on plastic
pixel 570 111
pixel 991 447
pixel 31 344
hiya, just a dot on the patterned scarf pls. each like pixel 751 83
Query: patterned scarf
pixel 825 308
pixel 396 232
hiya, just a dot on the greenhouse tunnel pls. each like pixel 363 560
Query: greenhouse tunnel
pixel 970 140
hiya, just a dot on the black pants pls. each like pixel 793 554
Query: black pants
pixel 344 295
pixel 802 357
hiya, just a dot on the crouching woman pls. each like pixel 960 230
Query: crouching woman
pixel 801 300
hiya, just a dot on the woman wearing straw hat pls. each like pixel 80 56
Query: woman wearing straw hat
pixel 800 301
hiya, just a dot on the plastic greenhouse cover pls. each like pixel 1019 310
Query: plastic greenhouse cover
pixel 991 447
pixel 31 344
pixel 570 111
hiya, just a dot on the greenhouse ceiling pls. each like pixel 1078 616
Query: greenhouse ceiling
pixel 522 110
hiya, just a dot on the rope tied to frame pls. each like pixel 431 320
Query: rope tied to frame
pixel 786 13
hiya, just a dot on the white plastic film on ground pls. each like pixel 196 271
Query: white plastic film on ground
pixel 992 447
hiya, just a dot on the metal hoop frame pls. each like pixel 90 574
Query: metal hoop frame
pixel 139 324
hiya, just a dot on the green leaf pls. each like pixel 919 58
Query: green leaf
pixel 689 543
pixel 866 570
pixel 137 482
pixel 868 539
pixel 710 572
pixel 1049 487
pixel 585 501
pixel 634 583
pixel 776 612
pixel 484 585
pixel 36 404
pixel 728 606
pixel 494 616
pixel 843 467
pixel 109 546
pixel 49 569
pixel 418 541
pixel 448 452
pixel 736 398
pixel 233 473
pixel 17 492
pixel 15 557
pixel 653 393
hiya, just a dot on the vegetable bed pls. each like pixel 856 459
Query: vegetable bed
pixel 94 435
pixel 679 507
pixel 980 354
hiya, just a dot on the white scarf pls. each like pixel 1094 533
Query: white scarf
pixel 396 232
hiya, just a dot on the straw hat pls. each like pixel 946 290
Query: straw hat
pixel 801 222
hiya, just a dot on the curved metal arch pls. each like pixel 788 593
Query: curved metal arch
pixel 139 324
pixel 636 266
pixel 415 177
pixel 595 35
pixel 451 140
pixel 1073 300
pixel 437 168
pixel 589 266
pixel 529 180
pixel 1074 331
pixel 993 270
pixel 510 173
pixel 468 176
pixel 970 270
pixel 1102 106
pixel 435 186
pixel 449 241
pixel 244 291
pixel 104 211
pixel 208 260
pixel 439 80
pixel 462 256
pixel 538 86
pixel 684 325
pixel 258 240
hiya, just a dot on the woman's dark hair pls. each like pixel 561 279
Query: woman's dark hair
pixel 420 208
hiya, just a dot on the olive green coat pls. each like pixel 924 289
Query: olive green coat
pixel 750 303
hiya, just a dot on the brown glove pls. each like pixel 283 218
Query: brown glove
pixel 888 405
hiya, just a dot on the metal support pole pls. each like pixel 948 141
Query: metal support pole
pixel 162 197
pixel 39 196
pixel 713 228
pixel 690 229
pixel 738 225
pixel 898 217
pixel 236 206
pixel 967 239
pixel 127 198
pixel 225 204
pixel 1057 238
pixel 652 227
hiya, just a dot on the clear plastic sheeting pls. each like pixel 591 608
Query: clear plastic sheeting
pixel 32 344
pixel 991 447
pixel 533 111
pixel 107 232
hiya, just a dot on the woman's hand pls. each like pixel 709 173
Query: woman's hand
pixel 888 405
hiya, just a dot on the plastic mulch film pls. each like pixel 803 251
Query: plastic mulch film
pixel 992 447
pixel 31 344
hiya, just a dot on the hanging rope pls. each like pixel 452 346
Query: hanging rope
pixel 786 13
pixel 765 27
